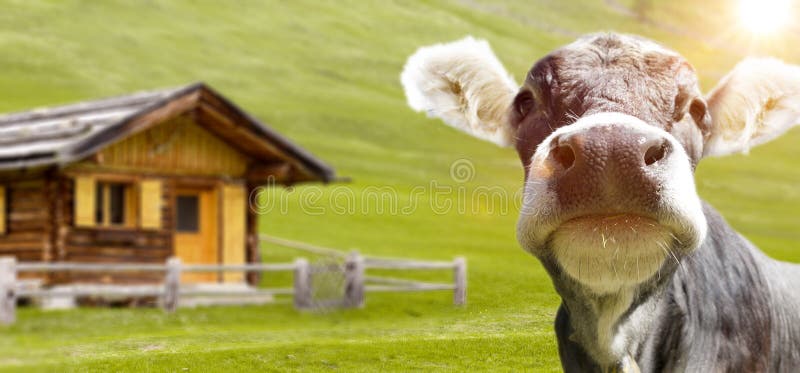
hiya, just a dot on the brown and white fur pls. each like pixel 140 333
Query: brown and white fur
pixel 609 130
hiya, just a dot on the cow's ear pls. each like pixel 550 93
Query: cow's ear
pixel 756 102
pixel 464 84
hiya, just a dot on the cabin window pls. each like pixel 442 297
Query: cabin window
pixel 188 213
pixel 114 204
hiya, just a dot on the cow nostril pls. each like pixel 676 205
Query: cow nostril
pixel 655 153
pixel 564 155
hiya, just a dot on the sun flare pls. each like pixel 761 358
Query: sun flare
pixel 764 16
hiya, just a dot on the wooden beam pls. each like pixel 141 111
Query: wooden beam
pixel 278 172
pixel 103 174
pixel 131 174
pixel 253 244
pixel 51 197
pixel 25 174
pixel 60 221
pixel 232 127
pixel 211 117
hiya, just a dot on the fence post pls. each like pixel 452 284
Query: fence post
pixel 460 281
pixel 8 290
pixel 172 284
pixel 302 284
pixel 354 280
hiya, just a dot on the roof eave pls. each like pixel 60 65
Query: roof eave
pixel 309 167
pixel 320 171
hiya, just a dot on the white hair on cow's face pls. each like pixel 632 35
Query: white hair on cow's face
pixel 464 84
pixel 643 45
pixel 612 253
pixel 756 102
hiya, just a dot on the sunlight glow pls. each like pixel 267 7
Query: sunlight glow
pixel 764 16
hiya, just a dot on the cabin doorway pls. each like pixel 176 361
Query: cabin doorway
pixel 195 236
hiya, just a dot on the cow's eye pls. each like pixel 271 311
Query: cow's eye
pixel 524 103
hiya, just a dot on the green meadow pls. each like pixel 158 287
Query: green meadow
pixel 326 75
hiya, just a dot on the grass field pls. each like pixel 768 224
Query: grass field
pixel 326 75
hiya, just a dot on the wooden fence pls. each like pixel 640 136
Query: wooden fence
pixel 357 282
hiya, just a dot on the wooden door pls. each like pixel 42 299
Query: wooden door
pixel 233 229
pixel 195 234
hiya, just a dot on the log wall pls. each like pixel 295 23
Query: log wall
pixel 40 204
pixel 113 244
pixel 41 227
pixel 28 220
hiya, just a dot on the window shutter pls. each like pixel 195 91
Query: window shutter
pixel 84 202
pixel 150 204
pixel 233 227
pixel 3 215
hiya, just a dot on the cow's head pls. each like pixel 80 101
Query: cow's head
pixel 609 130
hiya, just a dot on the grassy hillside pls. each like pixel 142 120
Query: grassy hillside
pixel 326 75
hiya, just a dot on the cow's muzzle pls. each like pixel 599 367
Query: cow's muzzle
pixel 611 198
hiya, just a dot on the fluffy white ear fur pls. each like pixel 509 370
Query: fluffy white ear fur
pixel 756 102
pixel 465 85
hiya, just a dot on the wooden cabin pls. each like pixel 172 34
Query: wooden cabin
pixel 140 178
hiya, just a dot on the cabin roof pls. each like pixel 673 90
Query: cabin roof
pixel 65 134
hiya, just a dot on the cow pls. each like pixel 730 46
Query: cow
pixel 610 129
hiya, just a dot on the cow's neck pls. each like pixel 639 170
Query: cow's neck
pixel 609 327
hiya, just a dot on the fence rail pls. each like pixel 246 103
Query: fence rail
pixel 303 246
pixel 147 267
pixel 356 282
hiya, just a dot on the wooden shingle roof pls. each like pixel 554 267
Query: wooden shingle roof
pixel 65 134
